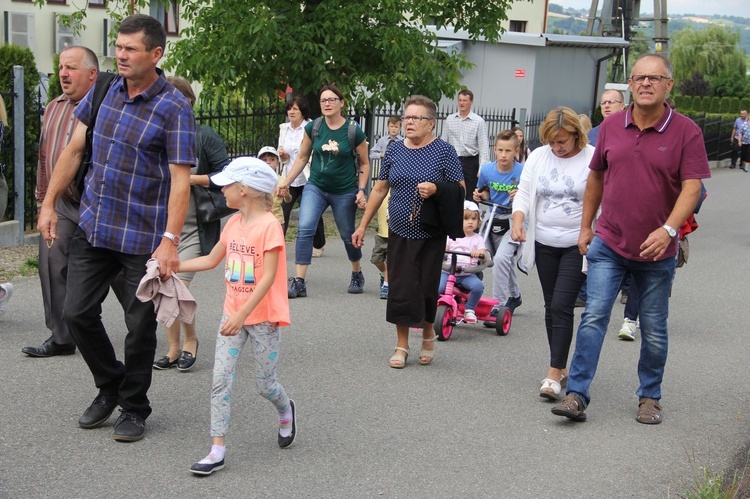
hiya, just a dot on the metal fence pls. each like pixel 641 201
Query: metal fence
pixel 716 132
pixel 246 129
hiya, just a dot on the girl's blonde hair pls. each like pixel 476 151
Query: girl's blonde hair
pixel 562 118
pixel 263 199
pixel 472 214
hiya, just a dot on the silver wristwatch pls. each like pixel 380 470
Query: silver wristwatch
pixel 175 239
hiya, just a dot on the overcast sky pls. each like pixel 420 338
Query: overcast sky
pixel 702 7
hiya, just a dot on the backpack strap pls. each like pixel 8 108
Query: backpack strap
pixel 103 81
pixel 316 128
pixel 352 134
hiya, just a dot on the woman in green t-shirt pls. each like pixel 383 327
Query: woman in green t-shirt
pixel 338 178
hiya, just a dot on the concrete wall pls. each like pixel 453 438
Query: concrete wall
pixel 553 76
pixel 565 78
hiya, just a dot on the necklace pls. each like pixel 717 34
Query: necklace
pixel 416 207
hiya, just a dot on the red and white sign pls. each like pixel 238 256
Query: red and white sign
pixel 520 73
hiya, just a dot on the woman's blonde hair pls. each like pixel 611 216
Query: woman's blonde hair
pixel 263 199
pixel 585 123
pixel 562 118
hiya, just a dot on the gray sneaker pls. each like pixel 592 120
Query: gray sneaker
pixel 297 287
pixel 357 284
pixel 627 331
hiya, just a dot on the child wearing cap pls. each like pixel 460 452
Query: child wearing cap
pixel 473 243
pixel 271 156
pixel 256 303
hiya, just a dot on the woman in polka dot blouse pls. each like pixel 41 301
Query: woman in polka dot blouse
pixel 410 170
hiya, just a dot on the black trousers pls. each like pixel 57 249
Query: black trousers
pixel 91 271
pixel 560 275
pixel 470 166
pixel 735 148
pixel 319 239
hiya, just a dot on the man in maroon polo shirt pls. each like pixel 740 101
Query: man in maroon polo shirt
pixel 646 175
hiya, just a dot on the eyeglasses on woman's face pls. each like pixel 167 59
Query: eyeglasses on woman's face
pixel 329 100
pixel 416 119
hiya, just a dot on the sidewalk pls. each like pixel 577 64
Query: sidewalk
pixel 470 425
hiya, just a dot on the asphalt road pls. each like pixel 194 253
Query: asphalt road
pixel 470 425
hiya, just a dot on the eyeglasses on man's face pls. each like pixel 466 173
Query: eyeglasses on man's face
pixel 609 102
pixel 329 100
pixel 654 79
pixel 418 119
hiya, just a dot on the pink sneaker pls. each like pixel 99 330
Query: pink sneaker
pixel 470 317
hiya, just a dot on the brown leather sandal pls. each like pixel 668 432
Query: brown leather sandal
pixel 649 411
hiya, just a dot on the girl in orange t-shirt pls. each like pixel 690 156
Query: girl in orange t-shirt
pixel 256 303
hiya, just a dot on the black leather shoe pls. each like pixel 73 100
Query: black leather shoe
pixel 49 349
pixel 186 359
pixel 165 363
pixel 129 427
pixel 285 442
pixel 98 412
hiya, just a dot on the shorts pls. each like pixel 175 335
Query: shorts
pixel 380 250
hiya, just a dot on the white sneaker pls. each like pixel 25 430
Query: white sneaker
pixel 8 288
pixel 627 331
pixel 470 317
pixel 317 252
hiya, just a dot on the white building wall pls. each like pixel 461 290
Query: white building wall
pixel 42 40
pixel 534 12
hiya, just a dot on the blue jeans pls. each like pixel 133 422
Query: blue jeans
pixel 470 282
pixel 314 203
pixel 654 279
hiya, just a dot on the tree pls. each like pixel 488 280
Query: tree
pixel 376 51
pixel 727 86
pixel 713 51
pixel 695 85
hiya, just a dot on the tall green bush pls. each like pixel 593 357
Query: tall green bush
pixel 55 88
pixel 734 105
pixel 685 103
pixel 725 105
pixel 715 106
pixel 13 55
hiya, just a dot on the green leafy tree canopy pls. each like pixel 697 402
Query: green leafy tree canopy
pixel 376 51
pixel 714 52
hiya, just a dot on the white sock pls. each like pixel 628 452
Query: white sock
pixel 216 455
pixel 285 422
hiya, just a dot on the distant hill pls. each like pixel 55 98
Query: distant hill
pixel 573 22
